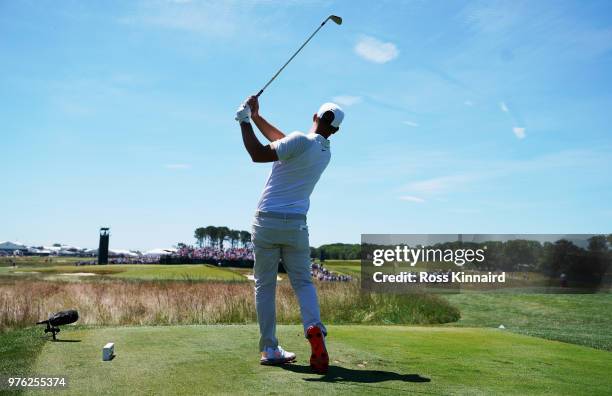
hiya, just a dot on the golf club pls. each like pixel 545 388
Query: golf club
pixel 336 19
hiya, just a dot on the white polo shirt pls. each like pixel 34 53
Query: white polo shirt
pixel 301 161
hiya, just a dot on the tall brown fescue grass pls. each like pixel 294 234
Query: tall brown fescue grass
pixel 24 302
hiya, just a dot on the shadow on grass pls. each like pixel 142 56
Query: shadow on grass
pixel 342 374
pixel 47 338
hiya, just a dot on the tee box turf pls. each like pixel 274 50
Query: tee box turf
pixel 108 352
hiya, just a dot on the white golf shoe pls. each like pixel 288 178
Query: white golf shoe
pixel 276 356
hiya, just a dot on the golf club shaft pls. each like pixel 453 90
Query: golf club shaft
pixel 290 59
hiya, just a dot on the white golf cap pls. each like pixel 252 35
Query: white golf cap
pixel 334 108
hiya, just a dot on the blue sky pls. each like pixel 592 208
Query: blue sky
pixel 461 117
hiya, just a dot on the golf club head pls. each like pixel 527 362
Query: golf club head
pixel 337 20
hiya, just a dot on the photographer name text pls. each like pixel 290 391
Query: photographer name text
pixel 412 256
pixel 448 277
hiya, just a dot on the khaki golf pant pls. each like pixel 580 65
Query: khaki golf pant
pixel 274 239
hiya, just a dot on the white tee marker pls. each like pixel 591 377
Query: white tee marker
pixel 108 352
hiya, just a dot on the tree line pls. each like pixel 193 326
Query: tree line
pixel 213 236
pixel 553 258
pixel 336 251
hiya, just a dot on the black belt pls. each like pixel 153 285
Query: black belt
pixel 279 215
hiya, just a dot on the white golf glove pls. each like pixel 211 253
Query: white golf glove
pixel 243 114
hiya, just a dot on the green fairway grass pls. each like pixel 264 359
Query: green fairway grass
pixel 584 319
pixel 364 360
pixel 43 261
pixel 140 271
pixel 62 269
pixel 347 267
pixel 19 350
pixel 179 272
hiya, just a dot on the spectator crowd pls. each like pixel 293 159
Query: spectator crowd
pixel 124 260
pixel 230 257
pixel 318 271
pixel 213 253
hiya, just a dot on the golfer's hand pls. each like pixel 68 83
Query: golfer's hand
pixel 243 114
pixel 253 103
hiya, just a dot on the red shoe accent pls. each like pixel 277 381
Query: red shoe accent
pixel 319 359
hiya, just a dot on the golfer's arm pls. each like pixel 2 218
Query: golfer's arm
pixel 268 130
pixel 257 151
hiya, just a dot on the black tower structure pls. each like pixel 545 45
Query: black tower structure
pixel 103 247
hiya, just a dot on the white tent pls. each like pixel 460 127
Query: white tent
pixel 64 250
pixel 34 250
pixel 160 252
pixel 121 252
pixel 12 246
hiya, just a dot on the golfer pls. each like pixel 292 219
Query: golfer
pixel 279 227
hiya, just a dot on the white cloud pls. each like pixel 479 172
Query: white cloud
pixel 438 185
pixel 178 166
pixel 411 198
pixel 480 174
pixel 346 100
pixel 494 17
pixel 468 103
pixel 503 107
pixel 519 132
pixel 214 19
pixel 410 123
pixel 375 50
